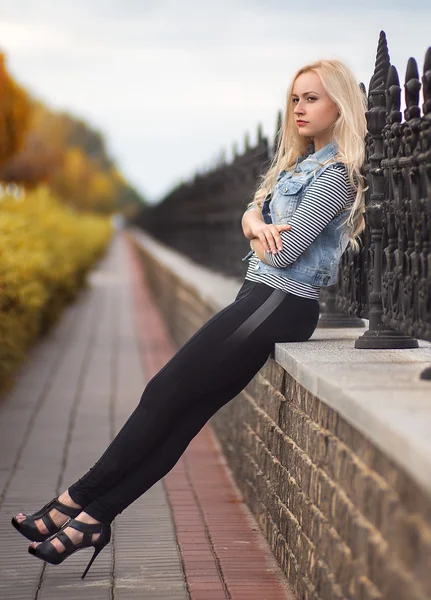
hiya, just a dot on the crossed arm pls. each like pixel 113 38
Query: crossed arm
pixel 253 226
pixel 323 200
pixel 259 250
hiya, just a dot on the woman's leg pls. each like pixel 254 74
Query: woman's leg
pixel 163 458
pixel 235 340
pixel 269 316
pixel 167 394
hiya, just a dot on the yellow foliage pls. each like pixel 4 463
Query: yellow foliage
pixel 82 185
pixel 39 145
pixel 46 250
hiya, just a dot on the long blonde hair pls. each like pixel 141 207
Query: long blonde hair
pixel 349 133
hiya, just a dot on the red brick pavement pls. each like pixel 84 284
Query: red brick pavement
pixel 224 554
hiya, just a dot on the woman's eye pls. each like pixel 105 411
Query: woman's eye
pixel 309 98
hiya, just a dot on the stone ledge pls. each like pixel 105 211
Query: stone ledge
pixel 385 399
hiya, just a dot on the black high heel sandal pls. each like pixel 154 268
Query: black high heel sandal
pixel 29 529
pixel 46 551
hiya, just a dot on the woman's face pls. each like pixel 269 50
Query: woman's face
pixel 313 106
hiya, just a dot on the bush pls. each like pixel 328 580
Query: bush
pixel 46 251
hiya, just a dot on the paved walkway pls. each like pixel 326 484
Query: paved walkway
pixel 189 536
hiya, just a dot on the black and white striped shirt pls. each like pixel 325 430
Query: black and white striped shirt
pixel 330 193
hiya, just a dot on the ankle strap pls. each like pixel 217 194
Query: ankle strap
pixel 66 510
pixel 85 527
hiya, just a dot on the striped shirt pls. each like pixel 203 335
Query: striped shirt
pixel 330 193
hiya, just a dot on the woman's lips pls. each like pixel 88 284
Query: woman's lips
pixel 300 123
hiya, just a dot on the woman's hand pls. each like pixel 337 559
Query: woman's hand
pixel 269 235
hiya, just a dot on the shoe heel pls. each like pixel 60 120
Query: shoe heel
pixel 92 559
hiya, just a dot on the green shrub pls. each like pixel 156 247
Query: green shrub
pixel 46 251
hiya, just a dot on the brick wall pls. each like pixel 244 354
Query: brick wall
pixel 341 518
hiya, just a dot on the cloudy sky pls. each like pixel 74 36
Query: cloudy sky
pixel 171 84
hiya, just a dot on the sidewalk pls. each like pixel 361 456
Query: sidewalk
pixel 189 536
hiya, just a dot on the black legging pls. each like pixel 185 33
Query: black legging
pixel 210 369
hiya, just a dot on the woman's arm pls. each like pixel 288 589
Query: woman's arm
pixel 259 250
pixel 255 228
pixel 251 217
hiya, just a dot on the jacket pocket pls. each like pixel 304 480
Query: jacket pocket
pixel 285 200
pixel 289 187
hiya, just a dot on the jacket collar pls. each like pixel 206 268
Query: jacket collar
pixel 309 162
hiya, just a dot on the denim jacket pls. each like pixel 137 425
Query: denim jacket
pixel 318 264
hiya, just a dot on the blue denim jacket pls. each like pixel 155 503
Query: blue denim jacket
pixel 318 264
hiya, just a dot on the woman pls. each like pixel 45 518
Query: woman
pixel 307 207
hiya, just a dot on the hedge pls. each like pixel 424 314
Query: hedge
pixel 46 251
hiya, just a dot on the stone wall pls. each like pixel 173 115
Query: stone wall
pixel 342 518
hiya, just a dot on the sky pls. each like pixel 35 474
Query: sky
pixel 173 84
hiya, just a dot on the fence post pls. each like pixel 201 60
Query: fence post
pixel 378 335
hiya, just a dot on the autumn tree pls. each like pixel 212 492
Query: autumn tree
pixel 39 145
pixel 14 114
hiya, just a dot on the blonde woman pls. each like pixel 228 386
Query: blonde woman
pixel 306 209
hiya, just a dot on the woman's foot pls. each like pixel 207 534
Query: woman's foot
pixel 73 534
pixel 76 534
pixel 57 517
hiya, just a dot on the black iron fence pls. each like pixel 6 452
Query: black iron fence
pixel 389 280
pixel 202 218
